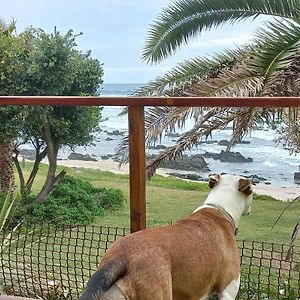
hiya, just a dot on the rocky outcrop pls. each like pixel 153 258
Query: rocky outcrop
pixel 157 147
pixel 28 153
pixel 79 156
pixel 228 156
pixel 115 132
pixel 194 163
pixel 188 176
pixel 227 143
pixel 255 178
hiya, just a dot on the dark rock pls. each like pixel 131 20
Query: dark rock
pixel 211 155
pixel 194 163
pixel 224 143
pixel 172 134
pixel 79 156
pixel 244 142
pixel 246 172
pixel 267 182
pixel 28 153
pixel 109 139
pixel 228 156
pixel 297 177
pixel 227 143
pixel 256 177
pixel 115 132
pixel 207 142
pixel 189 176
pixel 107 156
pixel 233 157
pixel 158 147
pixel 98 129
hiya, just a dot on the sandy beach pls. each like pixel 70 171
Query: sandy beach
pixel 278 192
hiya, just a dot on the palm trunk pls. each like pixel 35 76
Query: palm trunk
pixel 6 166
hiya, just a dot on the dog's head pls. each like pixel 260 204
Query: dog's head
pixel 236 187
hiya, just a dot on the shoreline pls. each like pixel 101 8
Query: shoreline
pixel 277 192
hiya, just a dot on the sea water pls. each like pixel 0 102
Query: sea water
pixel 270 160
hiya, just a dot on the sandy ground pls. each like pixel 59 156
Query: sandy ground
pixel 280 193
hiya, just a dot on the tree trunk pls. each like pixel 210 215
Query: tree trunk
pixel 19 169
pixel 6 166
pixel 51 180
pixel 38 158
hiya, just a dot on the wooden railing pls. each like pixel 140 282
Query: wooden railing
pixel 136 128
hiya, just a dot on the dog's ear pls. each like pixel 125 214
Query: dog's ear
pixel 213 179
pixel 245 186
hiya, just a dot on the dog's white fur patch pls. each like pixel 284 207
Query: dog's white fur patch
pixel 231 290
pixel 236 204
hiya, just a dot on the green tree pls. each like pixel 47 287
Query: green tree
pixel 47 64
pixel 58 68
pixel 268 66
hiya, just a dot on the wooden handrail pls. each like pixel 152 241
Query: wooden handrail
pixel 153 101
pixel 137 128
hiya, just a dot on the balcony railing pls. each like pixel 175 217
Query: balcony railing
pixel 136 128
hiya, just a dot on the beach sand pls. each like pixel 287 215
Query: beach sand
pixel 277 192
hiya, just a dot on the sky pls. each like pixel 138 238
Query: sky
pixel 115 32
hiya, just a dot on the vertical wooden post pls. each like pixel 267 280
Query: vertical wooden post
pixel 137 168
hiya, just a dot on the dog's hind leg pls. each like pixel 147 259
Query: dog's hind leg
pixel 231 291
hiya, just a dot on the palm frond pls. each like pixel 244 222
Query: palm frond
pixel 245 120
pixel 158 121
pixel 190 71
pixel 184 19
pixel 235 83
pixel 162 119
pixel 210 121
pixel 277 48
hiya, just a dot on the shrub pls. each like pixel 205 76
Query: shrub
pixel 74 201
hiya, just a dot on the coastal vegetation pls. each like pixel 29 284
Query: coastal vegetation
pixel 73 202
pixel 267 66
pixel 38 63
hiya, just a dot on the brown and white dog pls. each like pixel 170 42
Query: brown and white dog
pixel 193 259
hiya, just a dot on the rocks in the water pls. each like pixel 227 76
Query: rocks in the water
pixel 107 156
pixel 194 163
pixel 224 143
pixel 256 178
pixel 297 177
pixel 115 132
pixel 157 147
pixel 79 156
pixel 207 142
pixel 109 139
pixel 28 153
pixel 189 176
pixel 243 142
pixel 227 143
pixel 228 156
pixel 172 134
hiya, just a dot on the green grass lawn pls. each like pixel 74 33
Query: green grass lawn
pixel 170 199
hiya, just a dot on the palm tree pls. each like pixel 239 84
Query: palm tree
pixel 267 66
pixel 6 149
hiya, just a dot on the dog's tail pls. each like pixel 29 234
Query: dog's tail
pixel 104 278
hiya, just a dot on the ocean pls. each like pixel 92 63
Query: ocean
pixel 270 161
